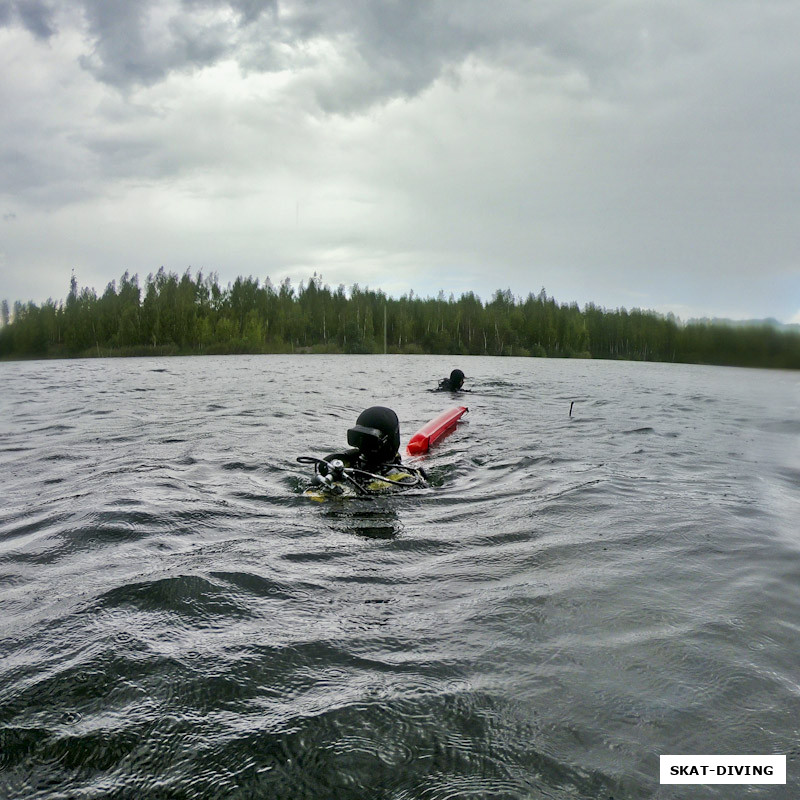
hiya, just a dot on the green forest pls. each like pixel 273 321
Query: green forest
pixel 182 315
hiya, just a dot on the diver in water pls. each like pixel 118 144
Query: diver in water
pixel 372 465
pixel 453 383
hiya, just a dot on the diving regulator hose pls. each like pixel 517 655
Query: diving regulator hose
pixel 328 473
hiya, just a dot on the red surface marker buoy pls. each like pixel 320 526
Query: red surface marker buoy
pixel 432 431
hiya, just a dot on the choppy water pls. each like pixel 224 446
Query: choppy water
pixel 573 597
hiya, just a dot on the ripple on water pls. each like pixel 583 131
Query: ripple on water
pixel 187 595
pixel 551 613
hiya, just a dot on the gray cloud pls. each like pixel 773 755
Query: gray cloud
pixel 617 151
pixel 394 49
pixel 137 43
pixel 381 50
pixel 36 16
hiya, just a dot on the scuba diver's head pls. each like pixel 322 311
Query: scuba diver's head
pixel 456 379
pixel 376 434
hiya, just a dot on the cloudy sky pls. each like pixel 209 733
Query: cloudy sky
pixel 636 153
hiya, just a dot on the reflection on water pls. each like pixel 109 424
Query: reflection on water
pixel 573 595
pixel 372 518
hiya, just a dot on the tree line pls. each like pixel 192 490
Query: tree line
pixel 172 315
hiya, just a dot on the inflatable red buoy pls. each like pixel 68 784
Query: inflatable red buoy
pixel 432 431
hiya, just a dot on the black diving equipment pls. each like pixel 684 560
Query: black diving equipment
pixel 367 440
pixel 332 477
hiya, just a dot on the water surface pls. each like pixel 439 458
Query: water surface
pixel 573 596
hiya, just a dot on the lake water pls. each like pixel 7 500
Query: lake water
pixel 572 597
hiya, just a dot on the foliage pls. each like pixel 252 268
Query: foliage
pixel 189 315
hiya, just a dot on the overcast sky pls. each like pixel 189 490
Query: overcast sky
pixel 636 153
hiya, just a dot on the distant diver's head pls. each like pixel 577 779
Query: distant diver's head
pixel 456 379
pixel 376 434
